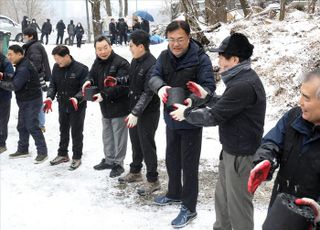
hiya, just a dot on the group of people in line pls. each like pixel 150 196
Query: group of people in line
pixel 46 29
pixel 129 97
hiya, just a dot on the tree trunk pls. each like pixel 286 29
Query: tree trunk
pixel 96 17
pixel 108 7
pixel 125 8
pixel 215 11
pixel 120 9
pixel 311 6
pixel 282 9
pixel 245 7
pixel 191 15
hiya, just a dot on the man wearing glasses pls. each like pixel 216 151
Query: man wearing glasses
pixel 183 61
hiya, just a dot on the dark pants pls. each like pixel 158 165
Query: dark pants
pixel 4 119
pixel 47 37
pixel 114 39
pixel 123 37
pixel 79 38
pixel 60 36
pixel 74 120
pixel 71 39
pixel 28 123
pixel 183 153
pixel 144 146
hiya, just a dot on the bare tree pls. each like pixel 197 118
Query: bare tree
pixel 172 7
pixel 108 7
pixel 282 9
pixel 245 7
pixel 311 6
pixel 215 11
pixel 96 17
pixel 125 8
pixel 120 9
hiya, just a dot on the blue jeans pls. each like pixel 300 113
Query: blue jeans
pixel 41 117
pixel 4 119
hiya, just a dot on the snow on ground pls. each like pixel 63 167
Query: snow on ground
pixel 51 197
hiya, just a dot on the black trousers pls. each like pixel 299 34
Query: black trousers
pixel 47 37
pixel 4 119
pixel 144 146
pixel 75 121
pixel 182 155
pixel 60 36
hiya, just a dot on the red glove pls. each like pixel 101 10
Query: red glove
pixel 47 105
pixel 163 94
pixel 84 86
pixel 258 174
pixel 1 76
pixel 197 89
pixel 74 103
pixel 110 81
pixel 313 204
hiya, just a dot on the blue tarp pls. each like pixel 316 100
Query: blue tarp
pixel 156 39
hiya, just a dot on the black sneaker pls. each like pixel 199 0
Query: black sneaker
pixel 3 149
pixel 19 155
pixel 75 164
pixel 40 158
pixel 184 217
pixel 103 165
pixel 117 170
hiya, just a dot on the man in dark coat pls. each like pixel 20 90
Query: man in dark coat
pixel 113 31
pixel 184 60
pixel 79 31
pixel 46 30
pixel 67 79
pixel 145 25
pixel 122 28
pixel 36 53
pixel 25 23
pixel 71 32
pixel 25 83
pixel 6 71
pixel 60 29
pixel 144 117
pixel 114 104
pixel 240 113
pixel 293 145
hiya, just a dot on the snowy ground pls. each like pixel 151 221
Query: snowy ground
pixel 46 197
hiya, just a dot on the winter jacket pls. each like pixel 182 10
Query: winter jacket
pixel 79 31
pixel 112 28
pixel 36 53
pixel 60 27
pixel 136 26
pixel 46 28
pixel 66 82
pixel 24 23
pixel 142 98
pixel 239 112
pixel 34 26
pixel 293 144
pixel 122 27
pixel 194 65
pixel 7 69
pixel 115 99
pixel 25 82
pixel 145 26
pixel 71 28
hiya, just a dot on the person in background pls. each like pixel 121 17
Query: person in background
pixel 113 31
pixel 6 71
pixel 37 55
pixel 68 76
pixel 79 31
pixel 184 60
pixel 293 146
pixel 46 31
pixel 240 113
pixel 71 32
pixel 145 25
pixel 34 25
pixel 60 29
pixel 114 104
pixel 136 24
pixel 25 83
pixel 122 28
pixel 25 23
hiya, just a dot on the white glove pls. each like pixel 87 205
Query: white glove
pixel 131 120
pixel 178 114
pixel 97 97
pixel 163 94
pixel 84 86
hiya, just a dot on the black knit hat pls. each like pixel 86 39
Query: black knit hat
pixel 237 45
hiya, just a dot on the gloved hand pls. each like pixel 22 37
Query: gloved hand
pixel 178 113
pixel 110 81
pixel 97 97
pixel 131 120
pixel 163 94
pixel 258 174
pixel 1 76
pixel 313 204
pixel 188 102
pixel 84 86
pixel 47 105
pixel 74 103
pixel 197 89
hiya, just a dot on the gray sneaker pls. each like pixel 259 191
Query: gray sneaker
pixel 3 149
pixel 130 177
pixel 19 155
pixel 40 158
pixel 148 188
pixel 74 164
pixel 59 159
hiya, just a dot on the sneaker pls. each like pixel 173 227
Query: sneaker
pixel 59 159
pixel 148 188
pixel 19 155
pixel 184 217
pixel 103 165
pixel 40 158
pixel 130 177
pixel 117 170
pixel 75 164
pixel 3 149
pixel 164 200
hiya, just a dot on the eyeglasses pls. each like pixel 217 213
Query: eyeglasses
pixel 178 41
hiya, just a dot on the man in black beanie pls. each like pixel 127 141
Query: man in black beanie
pixel 240 113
